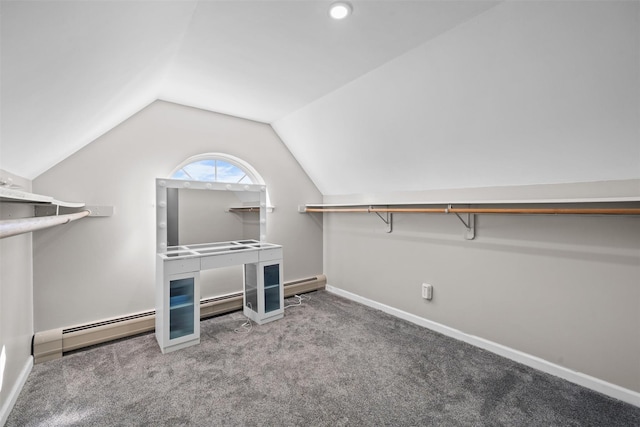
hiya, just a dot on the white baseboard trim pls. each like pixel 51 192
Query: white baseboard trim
pixel 7 406
pixel 609 389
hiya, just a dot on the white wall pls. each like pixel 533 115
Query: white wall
pixel 529 92
pixel 562 288
pixel 16 303
pixel 103 267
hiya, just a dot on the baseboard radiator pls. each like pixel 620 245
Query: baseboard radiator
pixel 49 345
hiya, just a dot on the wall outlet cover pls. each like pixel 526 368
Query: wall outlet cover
pixel 427 291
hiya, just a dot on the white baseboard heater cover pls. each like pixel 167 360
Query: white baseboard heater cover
pixel 49 345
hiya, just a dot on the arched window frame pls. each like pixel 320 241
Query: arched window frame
pixel 250 172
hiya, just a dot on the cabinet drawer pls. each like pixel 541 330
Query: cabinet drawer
pixel 226 260
pixel 271 254
pixel 182 266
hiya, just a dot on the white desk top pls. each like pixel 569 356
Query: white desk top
pixel 215 248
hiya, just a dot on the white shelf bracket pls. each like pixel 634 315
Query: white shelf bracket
pixel 388 220
pixel 48 210
pixel 100 210
pixel 469 224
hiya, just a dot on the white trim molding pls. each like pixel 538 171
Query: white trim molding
pixel 593 383
pixel 7 406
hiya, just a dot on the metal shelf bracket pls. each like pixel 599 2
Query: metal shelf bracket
pixel 469 224
pixel 388 220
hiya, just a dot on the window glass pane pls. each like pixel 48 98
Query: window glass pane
pixel 228 172
pixel 202 170
pixel 180 175
pixel 213 170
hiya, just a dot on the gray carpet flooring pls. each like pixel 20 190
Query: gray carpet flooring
pixel 329 362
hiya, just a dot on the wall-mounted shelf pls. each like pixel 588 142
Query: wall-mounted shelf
pixel 625 206
pixel 9 195
pixel 246 209
pixel 47 211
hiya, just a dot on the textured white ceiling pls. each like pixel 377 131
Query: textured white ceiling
pixel 72 70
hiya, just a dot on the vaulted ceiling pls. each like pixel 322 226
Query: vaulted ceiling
pixel 402 95
pixel 72 70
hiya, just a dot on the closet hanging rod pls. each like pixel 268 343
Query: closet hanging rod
pixel 526 211
pixel 12 227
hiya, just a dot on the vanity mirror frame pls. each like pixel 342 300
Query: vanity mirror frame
pixel 164 184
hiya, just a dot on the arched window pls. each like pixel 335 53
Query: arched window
pixel 217 167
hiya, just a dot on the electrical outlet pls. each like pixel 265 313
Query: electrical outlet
pixel 427 291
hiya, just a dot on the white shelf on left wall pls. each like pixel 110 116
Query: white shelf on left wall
pixel 12 227
pixel 10 195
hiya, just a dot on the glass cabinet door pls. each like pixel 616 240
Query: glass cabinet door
pixel 181 306
pixel 271 287
pixel 263 293
pixel 251 286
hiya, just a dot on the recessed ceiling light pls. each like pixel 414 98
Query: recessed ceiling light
pixel 340 10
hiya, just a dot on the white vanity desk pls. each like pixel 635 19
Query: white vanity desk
pixel 178 287
pixel 178 264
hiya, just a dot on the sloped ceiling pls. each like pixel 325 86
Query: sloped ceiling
pixel 401 96
pixel 72 70
pixel 527 93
